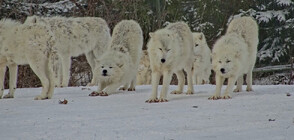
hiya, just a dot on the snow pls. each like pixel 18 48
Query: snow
pixel 284 2
pixel 265 114
pixel 56 8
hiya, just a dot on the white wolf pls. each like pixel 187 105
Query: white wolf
pixel 76 36
pixel 26 44
pixel 202 63
pixel 171 50
pixel 118 66
pixel 234 55
pixel 144 70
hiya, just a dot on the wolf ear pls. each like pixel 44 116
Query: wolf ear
pixel 237 55
pixel 120 65
pixel 213 55
pixel 32 19
pixel 97 61
pixel 151 34
pixel 201 36
pixel 173 36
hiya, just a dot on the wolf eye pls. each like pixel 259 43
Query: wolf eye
pixel 168 50
pixel 102 67
pixel 110 67
pixel 160 49
pixel 196 45
pixel 228 61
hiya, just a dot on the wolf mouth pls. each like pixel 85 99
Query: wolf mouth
pixel 105 75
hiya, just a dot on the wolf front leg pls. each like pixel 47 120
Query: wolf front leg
pixel 229 89
pixel 219 83
pixel 2 78
pixel 155 82
pixel 12 80
pixel 111 88
pixel 101 86
pixel 167 75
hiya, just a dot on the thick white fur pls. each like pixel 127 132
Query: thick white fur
pixel 202 62
pixel 235 53
pixel 144 70
pixel 76 36
pixel 27 44
pixel 121 59
pixel 174 44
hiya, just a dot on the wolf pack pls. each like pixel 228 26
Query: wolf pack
pixel 117 60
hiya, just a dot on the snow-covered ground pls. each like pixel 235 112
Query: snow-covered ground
pixel 265 114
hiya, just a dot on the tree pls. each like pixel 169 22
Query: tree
pixel 276 35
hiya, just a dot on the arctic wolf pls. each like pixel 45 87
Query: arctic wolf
pixel 234 55
pixel 171 50
pixel 118 66
pixel 76 36
pixel 144 70
pixel 26 44
pixel 202 63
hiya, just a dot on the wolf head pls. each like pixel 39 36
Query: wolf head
pixel 228 54
pixel 109 67
pixel 223 64
pixel 199 43
pixel 162 42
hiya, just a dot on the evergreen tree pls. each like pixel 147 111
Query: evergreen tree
pixel 276 30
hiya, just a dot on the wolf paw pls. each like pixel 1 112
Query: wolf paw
pixel 176 92
pixel 152 100
pixel 131 89
pixel 189 92
pixel 123 88
pixel 94 93
pixel 162 100
pixel 237 90
pixel 39 97
pixel 8 96
pixel 226 97
pixel 214 97
pixel 249 89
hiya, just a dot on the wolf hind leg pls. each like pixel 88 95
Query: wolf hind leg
pixel 189 80
pixel 133 84
pixel 2 78
pixel 39 65
pixel 12 80
pixel 181 81
pixel 239 84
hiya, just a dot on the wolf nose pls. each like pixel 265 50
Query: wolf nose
pixel 222 70
pixel 104 71
pixel 162 60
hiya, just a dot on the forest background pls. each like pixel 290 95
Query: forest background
pixel 275 19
